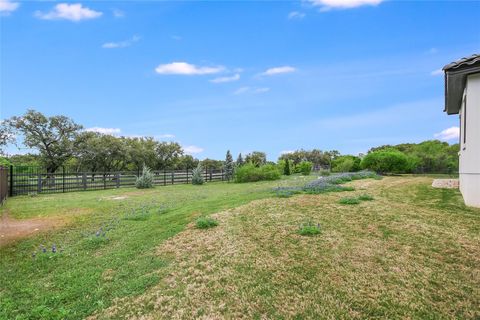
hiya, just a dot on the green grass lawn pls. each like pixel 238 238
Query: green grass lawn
pixel 411 252
pixel 91 271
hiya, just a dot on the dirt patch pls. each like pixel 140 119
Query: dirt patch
pixel 446 183
pixel 13 229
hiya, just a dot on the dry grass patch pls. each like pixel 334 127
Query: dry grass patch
pixel 389 258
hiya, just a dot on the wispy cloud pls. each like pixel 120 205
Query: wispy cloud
pixel 437 72
pixel 165 136
pixel 117 13
pixel 452 133
pixel 192 149
pixel 278 70
pixel 101 130
pixel 243 90
pixel 7 6
pixel 73 12
pixel 121 44
pixel 184 68
pixel 286 152
pixel 235 77
pixel 432 51
pixel 296 15
pixel 326 5
pixel 175 37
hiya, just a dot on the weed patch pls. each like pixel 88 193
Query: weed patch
pixel 349 201
pixel 205 223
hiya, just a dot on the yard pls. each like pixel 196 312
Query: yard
pixel 411 252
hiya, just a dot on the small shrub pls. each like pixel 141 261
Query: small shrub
pixel 286 168
pixel 197 175
pixel 205 223
pixel 250 173
pixel 324 173
pixel 145 181
pixel 309 229
pixel 365 197
pixel 305 168
pixel 349 201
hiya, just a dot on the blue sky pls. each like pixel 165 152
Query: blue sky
pixel 244 76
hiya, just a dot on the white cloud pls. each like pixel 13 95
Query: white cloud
pixel 452 133
pixel 296 15
pixel 117 13
pixel 184 68
pixel 165 136
pixel 111 131
pixel 437 72
pixel 235 77
pixel 121 44
pixel 192 149
pixel 432 51
pixel 286 151
pixel 343 4
pixel 73 12
pixel 250 90
pixel 241 90
pixel 261 90
pixel 7 6
pixel 278 70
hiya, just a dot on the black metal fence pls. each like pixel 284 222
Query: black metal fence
pixel 28 180
pixel 3 184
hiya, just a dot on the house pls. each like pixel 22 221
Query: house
pixel 462 97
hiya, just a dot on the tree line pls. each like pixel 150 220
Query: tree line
pixel 60 141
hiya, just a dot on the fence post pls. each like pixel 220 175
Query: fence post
pixel 187 175
pixel 84 180
pixel 206 173
pixel 164 177
pixel 63 178
pixel 11 180
pixel 104 181
pixel 118 179
pixel 222 175
pixel 210 174
pixel 173 176
pixel 39 183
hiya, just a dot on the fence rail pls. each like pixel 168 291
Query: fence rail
pixel 27 180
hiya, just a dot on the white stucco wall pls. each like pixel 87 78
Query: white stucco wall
pixel 470 149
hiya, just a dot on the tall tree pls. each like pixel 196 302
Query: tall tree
pixel 168 154
pixel 256 158
pixel 229 166
pixel 6 135
pixel 100 152
pixel 239 161
pixel 52 136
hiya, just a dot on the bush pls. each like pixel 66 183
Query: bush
pixel 349 201
pixel 250 173
pixel 305 167
pixel 205 223
pixel 346 164
pixel 146 179
pixel 386 161
pixel 197 175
